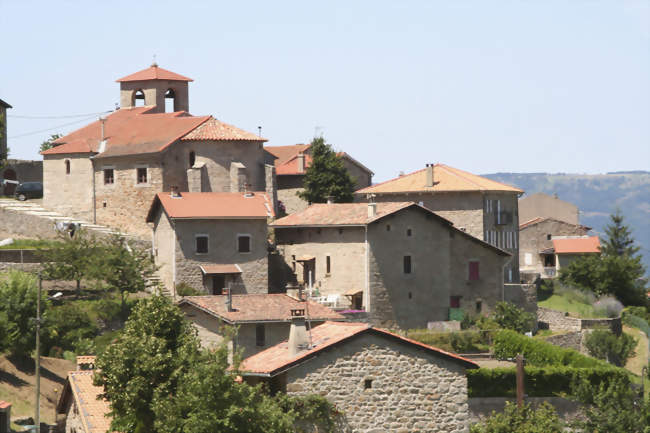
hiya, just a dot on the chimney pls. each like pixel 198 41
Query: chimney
pixel 372 210
pixel 298 336
pixel 174 192
pixel 229 298
pixel 429 169
pixel 301 162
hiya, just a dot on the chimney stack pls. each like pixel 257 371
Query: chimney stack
pixel 174 192
pixel 229 297
pixel 301 162
pixel 298 336
pixel 429 169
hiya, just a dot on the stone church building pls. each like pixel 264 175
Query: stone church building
pixel 109 171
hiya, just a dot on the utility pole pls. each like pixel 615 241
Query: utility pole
pixel 38 355
pixel 520 380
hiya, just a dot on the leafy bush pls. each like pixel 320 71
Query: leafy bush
pixel 615 349
pixel 641 312
pixel 637 322
pixel 544 419
pixel 18 291
pixel 67 325
pixel 608 306
pixel 460 342
pixel 507 344
pixel 509 316
pixel 184 289
pixel 539 381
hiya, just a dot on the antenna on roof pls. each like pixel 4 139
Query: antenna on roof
pixel 259 131
pixel 154 64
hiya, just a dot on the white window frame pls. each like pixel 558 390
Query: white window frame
pixel 108 167
pixel 143 184
pixel 201 235
pixel 250 243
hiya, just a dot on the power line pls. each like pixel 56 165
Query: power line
pixel 70 116
pixel 54 127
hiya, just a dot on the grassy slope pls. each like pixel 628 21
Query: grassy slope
pixel 574 308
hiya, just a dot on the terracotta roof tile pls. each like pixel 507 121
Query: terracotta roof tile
pixel 584 245
pixel 286 162
pixel 445 179
pixel 212 205
pixel 538 220
pixel 4 404
pixel 92 411
pixel 259 307
pixel 210 269
pixel 285 153
pixel 277 358
pixel 290 167
pixel 214 129
pixel 322 214
pixel 129 131
pixel 154 72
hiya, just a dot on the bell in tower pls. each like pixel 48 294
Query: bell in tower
pixel 164 90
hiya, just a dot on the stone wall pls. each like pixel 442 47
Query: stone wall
pixel 73 422
pixel 570 340
pixel 25 267
pixel 561 321
pixel 482 407
pixel 69 194
pixel 290 200
pixel 26 225
pixel 24 170
pixel 522 295
pixel 410 390
pixel 19 256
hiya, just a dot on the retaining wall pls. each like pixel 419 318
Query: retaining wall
pixel 561 321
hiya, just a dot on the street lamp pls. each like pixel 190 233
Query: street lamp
pixel 38 349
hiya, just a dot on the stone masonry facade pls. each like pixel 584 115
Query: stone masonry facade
pixel 385 386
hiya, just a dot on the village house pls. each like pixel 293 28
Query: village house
pixel 540 205
pixel 379 380
pixel 403 264
pixel 566 249
pixel 536 244
pixel 262 320
pixel 291 163
pixel 482 207
pixel 109 171
pixel 211 240
pixel 78 409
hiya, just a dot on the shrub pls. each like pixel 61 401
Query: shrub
pixel 184 289
pixel 637 322
pixel 507 344
pixel 539 382
pixel 460 342
pixel 68 324
pixel 608 306
pixel 544 419
pixel 509 316
pixel 615 349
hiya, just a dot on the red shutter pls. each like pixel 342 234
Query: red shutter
pixel 473 271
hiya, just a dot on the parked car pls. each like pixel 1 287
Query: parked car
pixel 29 190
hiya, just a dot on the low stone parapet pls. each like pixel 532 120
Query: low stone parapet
pixel 561 321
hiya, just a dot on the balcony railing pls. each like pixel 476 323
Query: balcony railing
pixel 550 272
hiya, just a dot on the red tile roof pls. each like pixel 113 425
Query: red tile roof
pixel 286 162
pixel 259 308
pixel 212 205
pixel 290 167
pixel 92 412
pixel 577 245
pixel 335 214
pixel 129 131
pixel 211 269
pixel 445 179
pixel 277 359
pixel 538 220
pixel 285 153
pixel 214 129
pixel 4 404
pixel 154 72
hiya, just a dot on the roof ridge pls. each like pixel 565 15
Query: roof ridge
pixel 389 180
pixel 462 174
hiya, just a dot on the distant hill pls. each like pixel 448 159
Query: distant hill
pixel 597 196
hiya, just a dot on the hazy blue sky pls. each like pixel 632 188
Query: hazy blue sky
pixel 560 86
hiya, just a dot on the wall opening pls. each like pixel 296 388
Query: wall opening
pixel 192 159
pixel 260 335
pixel 367 384
pixel 170 101
pixel 407 264
pixel 67 166
pixel 138 98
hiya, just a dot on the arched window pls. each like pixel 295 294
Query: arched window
pixel 192 159
pixel 67 166
pixel 170 101
pixel 138 98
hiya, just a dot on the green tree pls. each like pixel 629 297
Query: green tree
pixel 18 291
pixel 49 143
pixel 143 367
pixel 615 349
pixel 67 326
pixel 617 270
pixel 509 316
pixel 70 259
pixel 544 419
pixel 326 176
pixel 613 408
pixel 122 268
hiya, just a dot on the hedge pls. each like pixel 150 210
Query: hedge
pixel 539 382
pixel 507 344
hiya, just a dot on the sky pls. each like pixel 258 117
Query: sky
pixel 485 86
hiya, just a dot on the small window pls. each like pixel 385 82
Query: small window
pixel 473 271
pixel 109 176
pixel 67 166
pixel 192 159
pixel 328 264
pixel 548 237
pixel 410 295
pixel 293 262
pixel 407 264
pixel 387 227
pixel 340 231
pixel 409 232
pixel 244 243
pixel 260 335
pixel 201 244
pixel 454 302
pixel 367 384
pixel 142 174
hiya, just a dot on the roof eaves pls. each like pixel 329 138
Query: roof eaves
pixel 301 226
pixel 205 310
pixel 165 146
